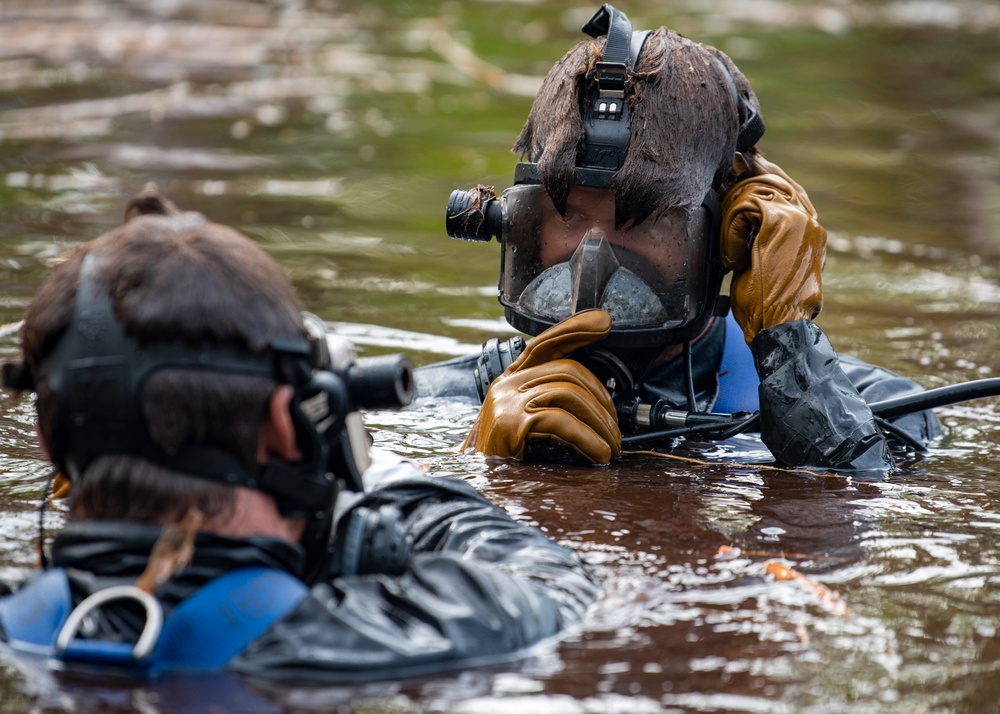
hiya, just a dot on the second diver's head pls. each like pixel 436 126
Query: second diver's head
pixel 630 141
pixel 172 364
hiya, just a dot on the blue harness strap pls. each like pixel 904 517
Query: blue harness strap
pixel 220 620
pixel 738 378
pixel 31 617
pixel 203 632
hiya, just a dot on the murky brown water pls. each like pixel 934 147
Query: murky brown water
pixel 333 133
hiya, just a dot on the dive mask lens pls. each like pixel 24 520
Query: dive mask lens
pixel 593 277
pixel 649 277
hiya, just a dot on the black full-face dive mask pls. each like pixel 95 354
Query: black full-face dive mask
pixel 95 373
pixel 659 280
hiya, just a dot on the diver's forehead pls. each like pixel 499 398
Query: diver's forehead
pixel 591 194
pixel 598 205
pixel 594 201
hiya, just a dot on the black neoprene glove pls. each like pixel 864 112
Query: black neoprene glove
pixel 811 414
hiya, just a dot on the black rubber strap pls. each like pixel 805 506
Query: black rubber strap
pixel 751 124
pixel 612 22
pixel 611 69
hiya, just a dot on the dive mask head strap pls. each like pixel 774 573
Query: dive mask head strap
pixel 611 69
pixel 96 373
pixel 606 125
pixel 751 125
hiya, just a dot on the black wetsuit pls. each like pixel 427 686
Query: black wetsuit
pixel 427 575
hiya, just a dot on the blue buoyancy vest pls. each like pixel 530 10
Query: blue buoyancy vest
pixel 204 632
pixel 738 378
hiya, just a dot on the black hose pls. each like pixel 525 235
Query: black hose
pixel 751 422
pixel 938 397
pixel 889 428
pixel 883 411
pixel 720 430
pixel 689 378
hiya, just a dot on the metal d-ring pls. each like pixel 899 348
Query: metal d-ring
pixel 150 633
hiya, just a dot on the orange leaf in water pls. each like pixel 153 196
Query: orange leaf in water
pixel 779 571
pixel 829 599
pixel 727 552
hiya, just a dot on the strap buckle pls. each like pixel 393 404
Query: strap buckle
pixel 611 79
pixel 142 648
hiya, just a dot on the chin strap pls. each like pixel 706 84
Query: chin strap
pixel 751 125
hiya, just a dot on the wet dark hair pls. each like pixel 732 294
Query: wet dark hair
pixel 173 277
pixel 684 124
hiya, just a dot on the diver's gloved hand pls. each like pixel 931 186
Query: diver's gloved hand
pixel 543 398
pixel 776 248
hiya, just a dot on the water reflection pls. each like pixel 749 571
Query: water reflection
pixel 689 601
pixel 333 133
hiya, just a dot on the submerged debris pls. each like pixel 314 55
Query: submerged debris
pixel 829 599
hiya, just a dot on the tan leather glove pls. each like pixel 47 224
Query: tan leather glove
pixel 777 278
pixel 542 396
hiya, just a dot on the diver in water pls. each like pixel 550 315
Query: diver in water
pixel 226 510
pixel 640 188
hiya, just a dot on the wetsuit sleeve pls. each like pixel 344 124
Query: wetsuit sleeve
pixel 428 576
pixel 811 414
pixel 876 384
pixel 452 379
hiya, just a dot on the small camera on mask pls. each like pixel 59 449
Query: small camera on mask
pixel 339 387
pixel 474 215
pixel 380 382
pixel 384 382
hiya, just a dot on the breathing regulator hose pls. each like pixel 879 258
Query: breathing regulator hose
pixel 647 423
pixel 937 397
pixel 723 426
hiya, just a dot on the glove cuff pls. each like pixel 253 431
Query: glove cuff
pixel 811 413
